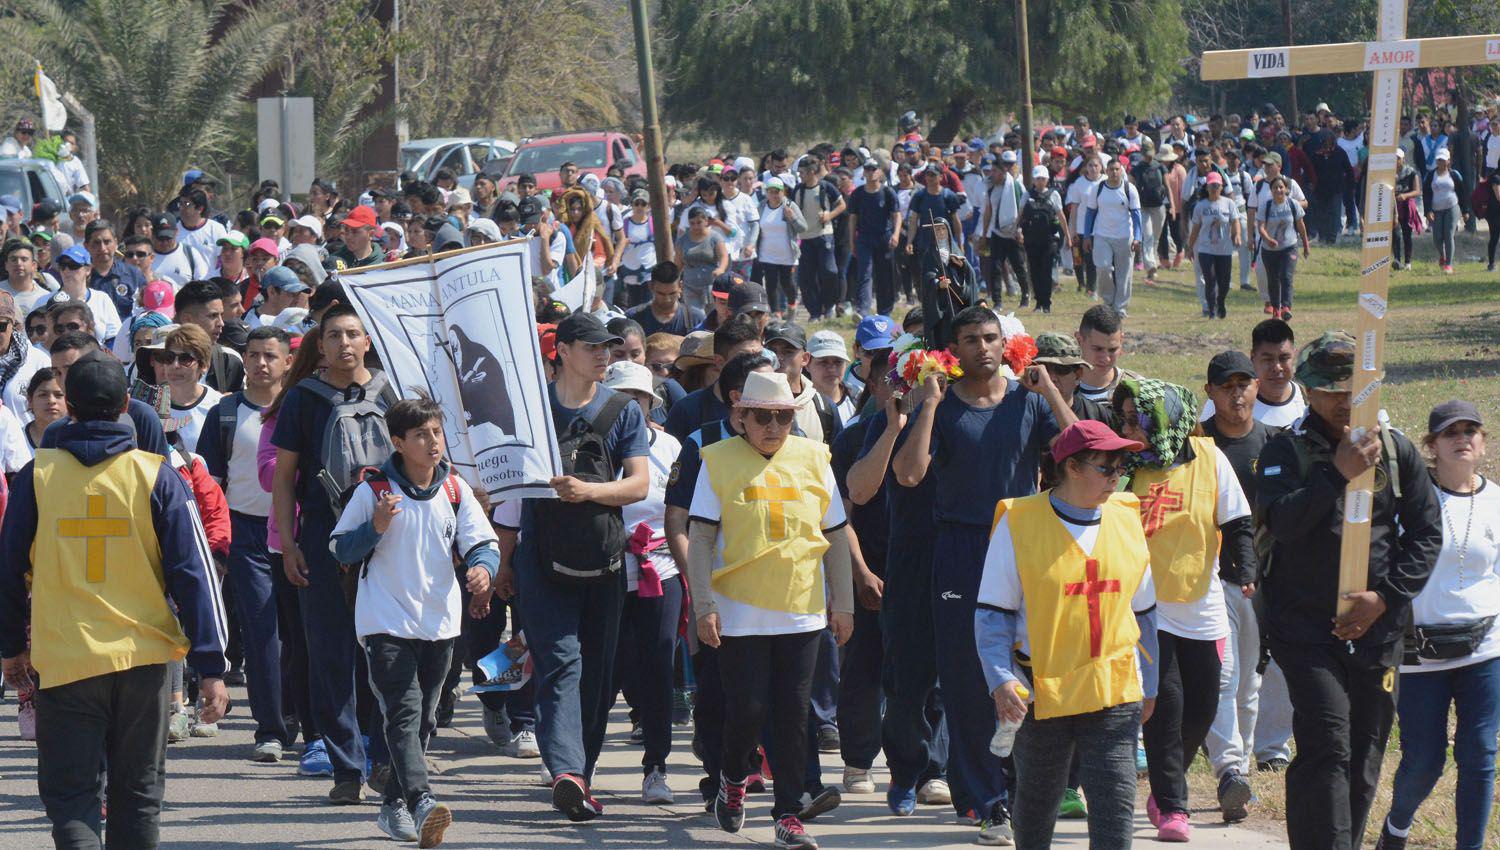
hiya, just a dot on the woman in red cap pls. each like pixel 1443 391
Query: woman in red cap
pixel 1065 600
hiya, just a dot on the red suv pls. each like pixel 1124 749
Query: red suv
pixel 593 151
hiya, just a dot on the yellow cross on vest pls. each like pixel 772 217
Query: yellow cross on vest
pixel 95 528
pixel 774 493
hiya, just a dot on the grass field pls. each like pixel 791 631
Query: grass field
pixel 1442 341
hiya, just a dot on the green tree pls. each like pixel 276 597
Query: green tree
pixel 765 71
pixel 164 78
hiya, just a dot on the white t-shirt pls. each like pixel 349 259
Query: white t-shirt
pixel 738 619
pixel 180 265
pixel 1079 191
pixel 1000 585
pixel 188 421
pixel 410 589
pixel 204 240
pixel 640 245
pixel 1273 413
pixel 25 301
pixel 15 451
pixel 652 510
pixel 558 249
pixel 1206 618
pixel 243 490
pixel 775 243
pixel 1263 193
pixel 106 318
pixel 13 394
pixel 1114 205
pixel 1454 595
pixel 743 211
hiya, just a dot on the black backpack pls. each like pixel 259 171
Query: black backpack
pixel 1038 218
pixel 1150 184
pixel 583 543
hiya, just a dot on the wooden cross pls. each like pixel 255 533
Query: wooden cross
pixel 774 493
pixel 1387 57
pixel 94 528
pixel 1090 588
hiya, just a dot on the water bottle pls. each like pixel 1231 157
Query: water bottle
pixel 1005 730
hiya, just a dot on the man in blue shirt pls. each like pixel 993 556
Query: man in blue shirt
pixel 120 281
pixel 982 441
pixel 927 206
pixel 875 216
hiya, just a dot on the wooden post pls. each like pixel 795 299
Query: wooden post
pixel 1028 144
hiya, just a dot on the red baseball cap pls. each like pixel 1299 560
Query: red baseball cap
pixel 266 245
pixel 158 297
pixel 360 216
pixel 547 334
pixel 1087 435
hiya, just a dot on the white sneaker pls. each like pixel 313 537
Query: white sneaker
pixel 858 781
pixel 546 777
pixel 654 788
pixel 934 792
pixel 524 746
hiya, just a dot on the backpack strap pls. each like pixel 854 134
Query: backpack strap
pixel 452 490
pixel 221 368
pixel 226 416
pixel 604 420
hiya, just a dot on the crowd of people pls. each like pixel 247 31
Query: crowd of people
pixel 1017 568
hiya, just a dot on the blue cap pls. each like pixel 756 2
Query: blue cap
pixel 910 147
pixel 191 176
pixel 284 279
pixel 10 203
pixel 78 254
pixel 976 144
pixel 875 333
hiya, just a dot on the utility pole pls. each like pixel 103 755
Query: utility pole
pixel 1295 116
pixel 1028 144
pixel 655 167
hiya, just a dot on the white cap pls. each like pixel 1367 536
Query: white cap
pixel 485 227
pixel 828 344
pixel 628 375
pixel 267 205
pixel 311 222
pixel 1007 156
pixel 1040 171
pixel 744 163
pixel 459 197
pixel 1442 154
pixel 1400 153
pixel 293 320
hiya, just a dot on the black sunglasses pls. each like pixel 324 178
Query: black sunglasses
pixel 167 358
pixel 137 255
pixel 5 325
pixel 660 368
pixel 36 331
pixel 765 417
pixel 1105 470
pixel 70 326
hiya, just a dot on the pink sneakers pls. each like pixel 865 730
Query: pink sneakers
pixel 1153 814
pixel 1175 827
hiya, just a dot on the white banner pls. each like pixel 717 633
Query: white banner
pixel 460 327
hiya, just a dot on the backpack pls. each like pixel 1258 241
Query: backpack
pixel 355 437
pixel 581 543
pixel 380 485
pixel 1481 198
pixel 225 416
pixel 828 417
pixel 1038 218
pixel 1150 185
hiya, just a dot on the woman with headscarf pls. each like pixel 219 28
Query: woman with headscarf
pixel 1190 501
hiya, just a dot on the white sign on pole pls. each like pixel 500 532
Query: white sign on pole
pixel 459 327
pixel 284 138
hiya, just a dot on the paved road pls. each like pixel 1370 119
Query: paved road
pixel 217 800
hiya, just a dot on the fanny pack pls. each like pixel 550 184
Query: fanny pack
pixel 1446 642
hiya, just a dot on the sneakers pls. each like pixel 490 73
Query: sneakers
pixel 791 836
pixel 1447 268
pixel 822 803
pixel 179 724
pixel 637 734
pixel 755 783
pixel 202 730
pixel 1273 765
pixel 380 774
pixel 1234 796
pixel 995 830
pixel 1153 814
pixel 394 820
pixel 1389 840
pixel 234 677
pixel 1175 828
pixel 655 790
pixel 314 761
pixel 495 727
pixel 523 746
pixel 545 777
pixel 571 797
pixel 828 740
pixel 346 793
pixel 432 820
pixel 901 801
pixel 26 716
pixel 1270 311
pixel 446 703
pixel 267 752
pixel 934 792
pixel 969 818
pixel 1072 807
pixel 682 707
pixel 729 806
pixel 858 781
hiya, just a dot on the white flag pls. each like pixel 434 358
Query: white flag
pixel 54 114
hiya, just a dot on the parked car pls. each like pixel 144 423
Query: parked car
pixel 32 181
pixel 465 157
pixel 593 151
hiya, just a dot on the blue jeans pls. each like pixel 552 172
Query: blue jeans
pixel 572 631
pixel 255 598
pixel 332 653
pixel 875 271
pixel 1474 690
pixel 818 276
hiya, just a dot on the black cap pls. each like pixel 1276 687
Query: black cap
pixel 787 332
pixel 530 210
pixel 1227 364
pixel 1449 412
pixel 162 223
pixel 583 327
pixel 726 283
pixel 45 210
pixel 748 298
pixel 96 386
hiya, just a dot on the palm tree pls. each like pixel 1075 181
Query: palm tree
pixel 164 78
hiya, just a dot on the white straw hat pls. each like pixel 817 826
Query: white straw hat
pixel 767 390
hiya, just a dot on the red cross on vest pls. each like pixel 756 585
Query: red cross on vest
pixel 1160 500
pixel 1090 588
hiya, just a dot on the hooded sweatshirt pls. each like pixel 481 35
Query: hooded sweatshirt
pixel 109 536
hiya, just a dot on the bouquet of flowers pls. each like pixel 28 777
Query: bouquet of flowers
pixel 911 364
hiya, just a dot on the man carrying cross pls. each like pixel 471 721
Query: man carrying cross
pixel 110 540
pixel 1069 562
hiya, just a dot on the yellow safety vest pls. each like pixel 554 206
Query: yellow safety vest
pixel 1179 507
pixel 771 518
pixel 98 597
pixel 1079 622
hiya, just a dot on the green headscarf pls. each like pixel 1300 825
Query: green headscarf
pixel 1171 414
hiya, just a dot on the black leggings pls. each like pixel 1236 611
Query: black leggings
pixel 1084 270
pixel 1279 268
pixel 769 677
pixel 1216 280
pixel 1186 702
pixel 780 284
pixel 1401 236
pixel 1492 220
pixel 1039 260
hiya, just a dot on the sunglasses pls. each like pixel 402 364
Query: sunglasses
pixel 764 417
pixel 69 327
pixel 639 204
pixel 181 358
pixel 1105 470
pixel 728 178
pixel 660 368
pixel 5 325
pixel 137 255
pixel 36 331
